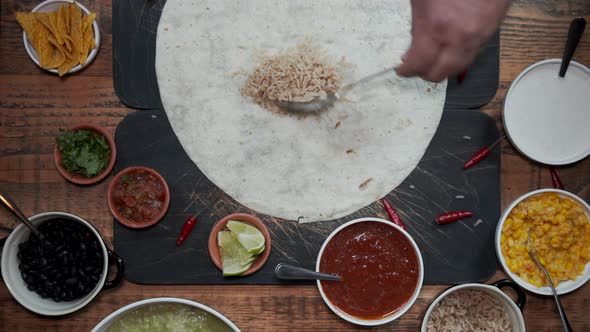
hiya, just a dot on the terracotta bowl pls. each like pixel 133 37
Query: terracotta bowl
pixel 135 224
pixel 249 219
pixel 78 178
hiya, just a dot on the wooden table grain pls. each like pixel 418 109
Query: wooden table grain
pixel 35 104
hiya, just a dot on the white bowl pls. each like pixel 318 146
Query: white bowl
pixel 546 117
pixel 31 300
pixel 564 286
pixel 397 314
pixel 513 309
pixel 110 319
pixel 50 5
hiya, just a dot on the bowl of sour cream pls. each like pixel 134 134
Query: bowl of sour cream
pixel 547 117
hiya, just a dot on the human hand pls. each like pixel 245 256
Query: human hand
pixel 447 34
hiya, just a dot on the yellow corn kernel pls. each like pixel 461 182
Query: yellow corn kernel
pixel 560 235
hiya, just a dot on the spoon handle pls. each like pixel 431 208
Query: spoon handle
pixel 573 37
pixel 290 272
pixel 565 321
pixel 13 208
pixel 364 80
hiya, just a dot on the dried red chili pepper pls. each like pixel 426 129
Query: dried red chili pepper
pixel 448 217
pixel 393 216
pixel 555 179
pixel 187 228
pixel 481 154
pixel 461 76
pixel 191 221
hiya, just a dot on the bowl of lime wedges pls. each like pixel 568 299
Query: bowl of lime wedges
pixel 239 244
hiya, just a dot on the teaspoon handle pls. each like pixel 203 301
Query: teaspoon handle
pixel 14 209
pixel 573 37
pixel 290 272
pixel 565 321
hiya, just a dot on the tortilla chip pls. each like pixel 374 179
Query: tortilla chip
pixel 59 55
pixel 67 17
pixel 76 31
pixel 58 59
pixel 87 37
pixel 43 47
pixel 62 48
pixel 28 22
pixel 43 17
pixel 66 66
pixel 53 18
pixel 62 12
pixel 37 34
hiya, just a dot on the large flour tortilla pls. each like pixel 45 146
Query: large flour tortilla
pixel 285 166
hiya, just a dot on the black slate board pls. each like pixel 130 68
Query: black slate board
pixel 135 23
pixel 454 253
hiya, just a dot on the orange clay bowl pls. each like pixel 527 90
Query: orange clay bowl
pixel 137 224
pixel 249 219
pixel 78 178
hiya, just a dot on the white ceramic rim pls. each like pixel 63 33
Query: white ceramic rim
pixel 39 218
pixel 581 155
pixel 108 320
pixel 563 287
pixel 452 289
pixel 397 314
pixel 91 56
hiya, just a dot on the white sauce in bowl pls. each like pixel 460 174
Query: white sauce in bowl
pixel 547 117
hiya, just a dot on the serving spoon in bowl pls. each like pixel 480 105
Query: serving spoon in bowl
pixel 13 208
pixel 531 250
pixel 321 103
pixel 290 272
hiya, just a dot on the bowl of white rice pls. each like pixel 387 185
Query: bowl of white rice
pixel 476 307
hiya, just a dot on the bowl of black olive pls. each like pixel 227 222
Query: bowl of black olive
pixel 63 271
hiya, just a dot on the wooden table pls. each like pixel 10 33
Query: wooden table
pixel 35 104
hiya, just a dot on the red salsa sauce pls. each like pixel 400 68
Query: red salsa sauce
pixel 378 267
pixel 139 196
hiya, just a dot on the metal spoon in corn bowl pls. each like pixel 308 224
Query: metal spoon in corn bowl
pixel 564 286
pixel 531 250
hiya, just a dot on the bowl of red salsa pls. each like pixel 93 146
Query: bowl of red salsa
pixel 138 197
pixel 380 267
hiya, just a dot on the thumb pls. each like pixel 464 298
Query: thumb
pixel 405 69
pixel 421 55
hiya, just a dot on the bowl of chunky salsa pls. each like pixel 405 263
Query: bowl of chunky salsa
pixel 138 197
pixel 380 267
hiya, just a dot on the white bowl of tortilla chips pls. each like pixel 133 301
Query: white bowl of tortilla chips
pixel 73 57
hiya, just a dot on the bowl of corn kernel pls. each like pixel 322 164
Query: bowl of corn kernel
pixel 559 226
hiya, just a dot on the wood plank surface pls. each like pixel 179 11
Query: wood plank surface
pixel 35 104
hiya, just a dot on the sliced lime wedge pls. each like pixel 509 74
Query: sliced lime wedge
pixel 249 236
pixel 235 258
pixel 259 251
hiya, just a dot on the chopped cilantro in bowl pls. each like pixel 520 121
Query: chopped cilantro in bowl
pixel 83 152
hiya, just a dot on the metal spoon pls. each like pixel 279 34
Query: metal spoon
pixel 11 206
pixel 319 104
pixel 573 37
pixel 566 323
pixel 290 272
